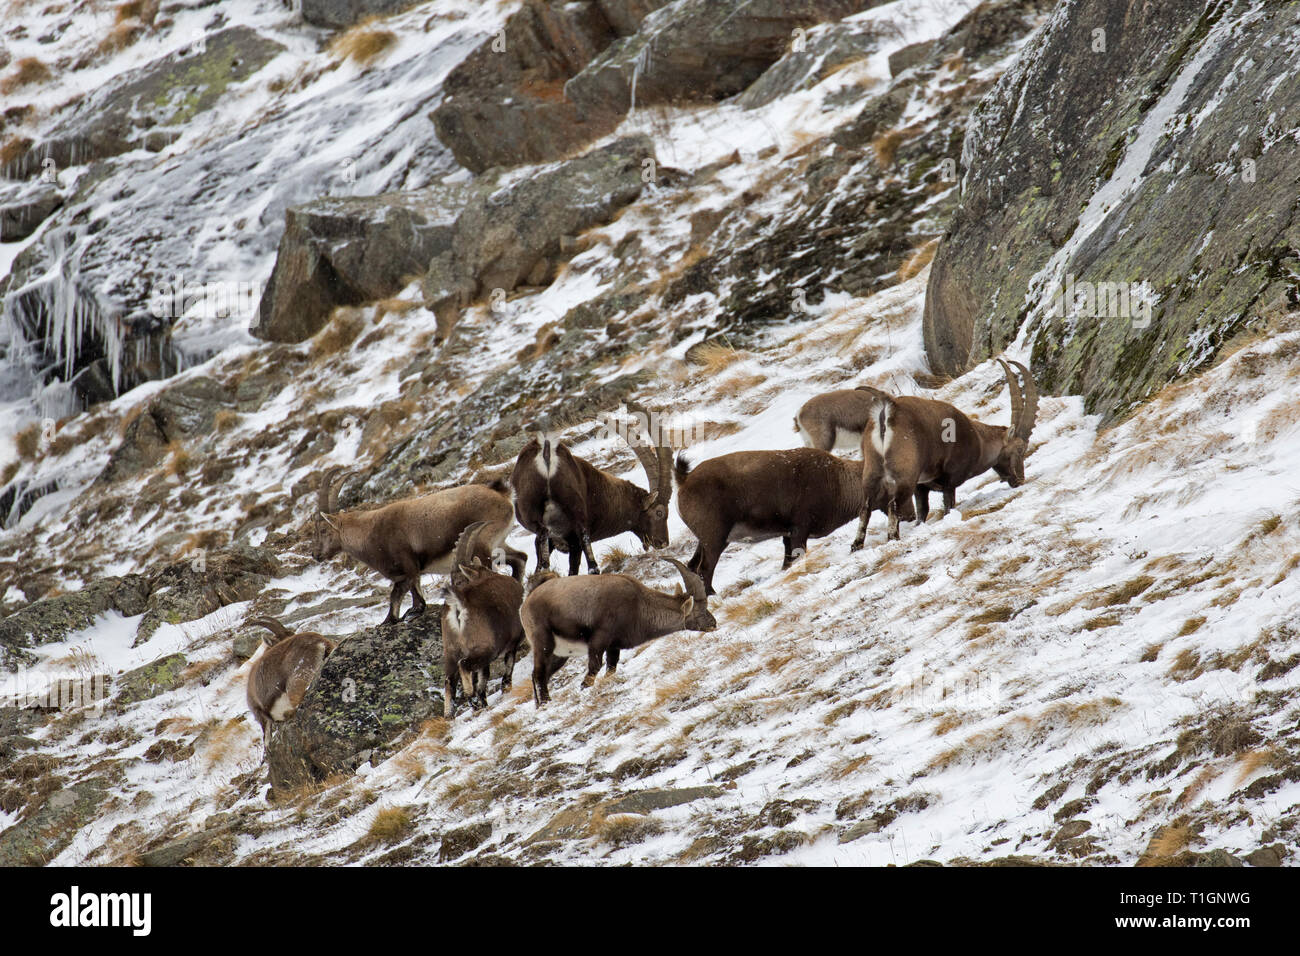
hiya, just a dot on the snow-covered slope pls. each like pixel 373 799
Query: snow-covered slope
pixel 1098 666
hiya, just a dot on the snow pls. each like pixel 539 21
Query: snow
pixel 959 673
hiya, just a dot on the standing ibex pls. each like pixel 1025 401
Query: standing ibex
pixel 568 502
pixel 480 624
pixel 919 445
pixel 278 680
pixel 836 420
pixel 402 539
pixel 794 494
pixel 602 616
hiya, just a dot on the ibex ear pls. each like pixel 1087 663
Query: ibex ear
pixel 329 521
pixel 651 501
pixel 687 606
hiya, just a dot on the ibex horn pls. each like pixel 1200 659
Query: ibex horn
pixel 466 543
pixel 272 625
pixel 694 583
pixel 1029 406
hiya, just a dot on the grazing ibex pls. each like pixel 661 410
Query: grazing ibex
pixel 919 445
pixel 569 503
pixel 278 680
pixel 480 624
pixel 405 538
pixel 836 420
pixel 794 494
pixel 602 616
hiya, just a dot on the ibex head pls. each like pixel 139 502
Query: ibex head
pixel 1010 463
pixel 468 570
pixel 695 603
pixel 651 524
pixel 327 539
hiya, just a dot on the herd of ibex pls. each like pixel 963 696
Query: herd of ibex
pixel 910 447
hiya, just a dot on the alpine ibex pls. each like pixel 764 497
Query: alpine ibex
pixel 601 617
pixel 919 445
pixel 278 680
pixel 836 420
pixel 480 624
pixel 794 494
pixel 568 503
pixel 405 538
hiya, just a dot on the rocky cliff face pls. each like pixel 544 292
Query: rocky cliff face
pixel 1128 200
pixel 461 223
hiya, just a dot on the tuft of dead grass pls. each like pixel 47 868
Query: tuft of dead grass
pixel 389 825
pixel 918 260
pixel 344 328
pixel 713 356
pixel 28 441
pixel 363 43
pixel 27 72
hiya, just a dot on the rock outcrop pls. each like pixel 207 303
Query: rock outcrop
pixel 179 414
pixel 345 251
pixel 506 103
pixel 1149 215
pixel 378 684
pixel 344 13
pixel 148 104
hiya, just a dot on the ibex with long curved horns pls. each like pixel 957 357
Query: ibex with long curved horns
pixel 405 538
pixel 919 445
pixel 480 624
pixel 568 502
pixel 278 680
pixel 601 616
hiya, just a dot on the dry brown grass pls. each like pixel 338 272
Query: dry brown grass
pixel 385 307
pixel 918 260
pixel 363 43
pixel 714 356
pixel 178 461
pixel 28 441
pixel 749 612
pixel 121 36
pixel 26 72
pixel 389 825
pixel 1253 762
pixel 225 420
pixel 885 146
pixel 224 738
pixel 738 383
pixel 343 328
pixel 1185 665
pixel 14 148
pixel 1169 841
pixel 143 10
pixel 1190 626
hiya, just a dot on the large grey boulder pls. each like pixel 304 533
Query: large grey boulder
pixel 506 103
pixel 1159 165
pixel 23 207
pixel 696 50
pixel 45 832
pixel 181 413
pixel 344 13
pixel 345 251
pixel 378 684
pixel 146 103
pixel 816 55
pixel 511 229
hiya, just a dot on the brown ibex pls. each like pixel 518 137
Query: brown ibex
pixel 602 616
pixel 278 680
pixel 568 503
pixel 480 624
pixel 919 445
pixel 794 494
pixel 405 538
pixel 836 420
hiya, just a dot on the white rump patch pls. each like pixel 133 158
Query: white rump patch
pixel 283 708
